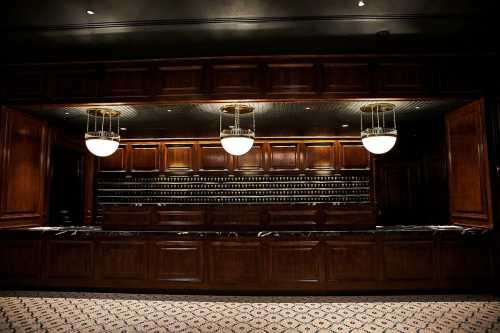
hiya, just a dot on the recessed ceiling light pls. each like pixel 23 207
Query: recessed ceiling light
pixel 345 125
pixel 417 107
pixel 66 113
pixel 169 110
pixel 361 3
pixel 123 128
pixel 90 12
pixel 308 108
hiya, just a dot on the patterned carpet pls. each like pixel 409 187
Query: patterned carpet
pixel 100 312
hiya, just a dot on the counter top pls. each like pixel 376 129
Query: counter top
pixel 98 231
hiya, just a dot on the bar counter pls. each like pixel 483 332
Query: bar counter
pixel 385 258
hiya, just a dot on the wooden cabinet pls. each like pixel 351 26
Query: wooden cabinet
pixel 235 216
pixel 145 157
pixel 23 171
pixel 284 156
pixel 353 155
pixel 124 261
pixel 352 217
pixel 468 166
pixel 291 79
pixel 74 84
pixel 396 79
pixel 20 260
pixel 295 262
pixel 346 79
pixel 213 158
pixel 179 158
pixel 235 264
pixel 239 79
pixel 351 263
pixel 253 161
pixel 178 262
pixel 25 85
pixel 409 262
pixel 70 260
pixel 123 216
pixel 130 81
pixel 292 217
pixel 179 217
pixel 117 162
pixel 319 156
pixel 180 81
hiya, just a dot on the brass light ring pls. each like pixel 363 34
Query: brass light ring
pixel 103 112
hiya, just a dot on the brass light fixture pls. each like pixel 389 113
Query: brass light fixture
pixel 380 137
pixel 103 131
pixel 235 139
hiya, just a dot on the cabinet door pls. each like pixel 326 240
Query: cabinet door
pixel 122 261
pixel 178 261
pixel 23 149
pixel 345 79
pixel 180 80
pixel 353 155
pixel 20 260
pixel 114 163
pixel 291 79
pixel 251 162
pixel 70 260
pixel 145 157
pixel 236 79
pixel 127 82
pixel 179 158
pixel 284 156
pixel 214 159
pixel 294 262
pixel 319 156
pixel 468 166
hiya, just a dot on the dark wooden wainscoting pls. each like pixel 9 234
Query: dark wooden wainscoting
pixel 365 261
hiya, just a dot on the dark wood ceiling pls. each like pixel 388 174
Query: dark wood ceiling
pixel 58 30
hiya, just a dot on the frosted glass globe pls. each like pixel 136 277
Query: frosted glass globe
pixel 379 144
pixel 101 147
pixel 237 145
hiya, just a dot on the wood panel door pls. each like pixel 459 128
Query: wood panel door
pixel 319 156
pixel 122 261
pixel 70 260
pixel 127 82
pixel 179 158
pixel 145 157
pixel 25 85
pixel 213 158
pixel 291 79
pixel 117 162
pixel 235 263
pixel 396 79
pixel 284 156
pixel 468 166
pixel 178 262
pixel 180 80
pixel 252 162
pixel 74 84
pixel 236 79
pixel 353 156
pixel 294 262
pixel 23 172
pixel 346 79
pixel 20 260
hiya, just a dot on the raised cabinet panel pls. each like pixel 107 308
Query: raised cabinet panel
pixel 284 157
pixel 74 84
pixel 235 263
pixel 460 78
pixel 145 157
pixel 68 259
pixel 122 260
pixel 409 261
pixel 290 217
pixel 20 260
pixel 235 216
pixel 24 85
pixel 213 158
pixel 398 79
pixel 346 79
pixel 236 79
pixel 464 263
pixel 353 155
pixel 291 79
pixel 180 80
pixel 23 168
pixel 319 156
pixel 293 262
pixel 352 217
pixel 179 158
pixel 178 261
pixel 468 166
pixel 178 217
pixel 126 216
pixel 115 162
pixel 253 161
pixel 127 82
pixel 351 262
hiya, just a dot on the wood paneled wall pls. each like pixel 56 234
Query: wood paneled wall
pixel 267 156
pixel 23 173
pixel 263 77
pixel 383 261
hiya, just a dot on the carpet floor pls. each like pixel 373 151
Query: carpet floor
pixel 23 311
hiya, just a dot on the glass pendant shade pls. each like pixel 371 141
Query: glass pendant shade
pixel 102 137
pixel 380 137
pixel 236 140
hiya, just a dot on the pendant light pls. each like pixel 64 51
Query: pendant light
pixel 103 131
pixel 237 140
pixel 380 137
